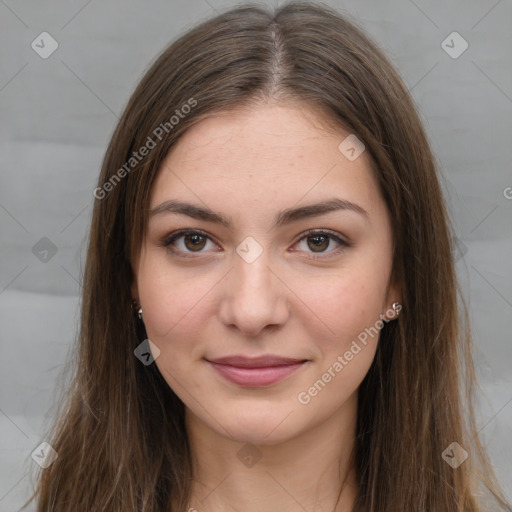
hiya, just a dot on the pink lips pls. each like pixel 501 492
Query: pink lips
pixel 255 372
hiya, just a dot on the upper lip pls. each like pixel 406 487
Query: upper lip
pixel 256 362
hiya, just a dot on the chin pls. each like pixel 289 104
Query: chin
pixel 256 428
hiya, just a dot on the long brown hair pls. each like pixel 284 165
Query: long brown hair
pixel 120 434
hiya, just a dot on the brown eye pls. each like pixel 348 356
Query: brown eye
pixel 194 242
pixel 320 242
pixel 186 242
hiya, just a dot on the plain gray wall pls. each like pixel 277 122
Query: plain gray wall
pixel 57 115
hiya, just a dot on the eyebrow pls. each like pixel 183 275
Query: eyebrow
pixel 283 217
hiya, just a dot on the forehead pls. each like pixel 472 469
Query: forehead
pixel 264 155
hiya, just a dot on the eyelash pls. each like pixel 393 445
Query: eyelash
pixel 169 240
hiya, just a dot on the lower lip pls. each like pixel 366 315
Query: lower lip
pixel 255 377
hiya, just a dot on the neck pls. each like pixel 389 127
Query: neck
pixel 312 471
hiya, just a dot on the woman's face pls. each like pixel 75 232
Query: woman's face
pixel 258 284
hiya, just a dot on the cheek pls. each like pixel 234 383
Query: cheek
pixel 176 308
pixel 175 303
pixel 344 304
pixel 351 307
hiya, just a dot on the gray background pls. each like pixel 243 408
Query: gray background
pixel 57 115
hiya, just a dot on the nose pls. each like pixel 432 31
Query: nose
pixel 254 297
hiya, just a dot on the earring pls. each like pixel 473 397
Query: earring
pixel 396 307
pixel 134 307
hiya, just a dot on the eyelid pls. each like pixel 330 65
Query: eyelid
pixel 324 231
pixel 167 240
pixel 333 235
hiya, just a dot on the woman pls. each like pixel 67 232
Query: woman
pixel 269 316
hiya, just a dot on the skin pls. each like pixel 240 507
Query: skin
pixel 249 165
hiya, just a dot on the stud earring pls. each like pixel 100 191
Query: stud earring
pixel 139 311
pixel 392 313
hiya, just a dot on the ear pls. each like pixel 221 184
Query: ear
pixel 394 294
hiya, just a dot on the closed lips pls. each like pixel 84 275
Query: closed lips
pixel 257 371
pixel 258 362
